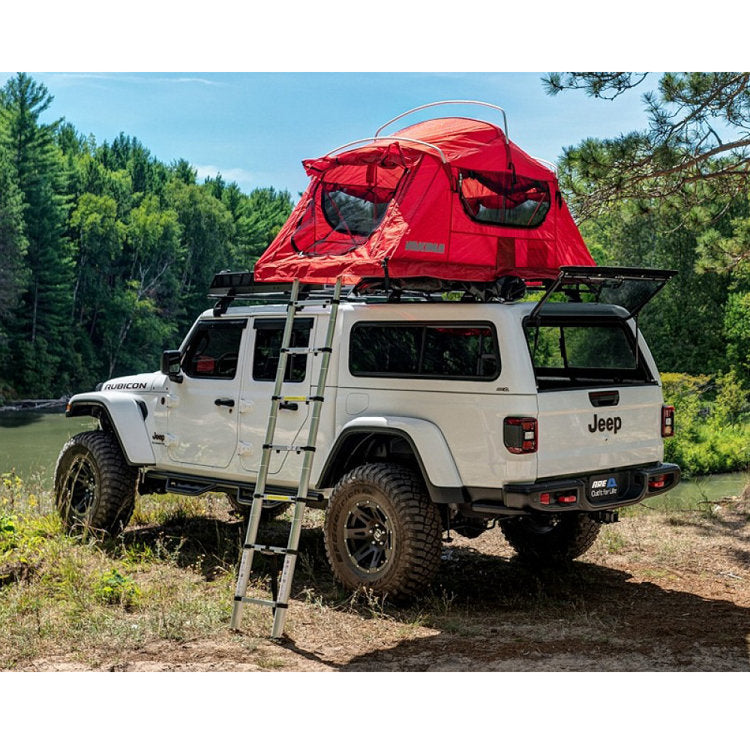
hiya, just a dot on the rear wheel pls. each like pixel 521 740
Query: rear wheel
pixel 94 485
pixel 552 539
pixel 382 531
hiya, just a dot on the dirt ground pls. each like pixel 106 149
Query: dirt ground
pixel 656 592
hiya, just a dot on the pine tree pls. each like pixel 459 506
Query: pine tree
pixel 42 322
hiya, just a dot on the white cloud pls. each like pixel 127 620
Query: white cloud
pixel 234 174
pixel 136 78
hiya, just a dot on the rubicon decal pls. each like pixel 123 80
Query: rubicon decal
pixel 125 386
pixel 610 424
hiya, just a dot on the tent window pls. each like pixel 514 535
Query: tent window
pixel 504 199
pixel 354 209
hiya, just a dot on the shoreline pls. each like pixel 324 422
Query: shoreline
pixel 50 405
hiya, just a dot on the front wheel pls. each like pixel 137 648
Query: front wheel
pixel 553 539
pixel 94 485
pixel 382 531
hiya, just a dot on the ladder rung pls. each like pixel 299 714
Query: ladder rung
pixel 307 349
pixel 298 399
pixel 321 301
pixel 269 548
pixel 289 448
pixel 262 602
pixel 284 498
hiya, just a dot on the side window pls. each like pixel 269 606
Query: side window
pixel 422 350
pixel 268 333
pixel 213 350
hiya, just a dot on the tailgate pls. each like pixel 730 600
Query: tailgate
pixel 597 429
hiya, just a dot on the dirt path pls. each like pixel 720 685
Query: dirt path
pixel 655 593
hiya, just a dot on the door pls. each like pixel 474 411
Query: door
pixel 203 408
pixel 257 388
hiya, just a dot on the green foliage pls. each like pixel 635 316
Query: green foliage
pixel 710 433
pixel 114 587
pixel 679 155
pixel 107 253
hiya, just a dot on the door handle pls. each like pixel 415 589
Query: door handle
pixel 604 398
pixel 224 402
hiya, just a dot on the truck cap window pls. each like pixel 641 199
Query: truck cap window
pixel 424 350
pixel 579 353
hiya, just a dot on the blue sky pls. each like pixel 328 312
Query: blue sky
pixel 255 128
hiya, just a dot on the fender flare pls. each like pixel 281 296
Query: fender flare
pixel 127 417
pixel 427 442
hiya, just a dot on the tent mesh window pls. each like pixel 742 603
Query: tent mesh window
pixel 354 210
pixel 504 199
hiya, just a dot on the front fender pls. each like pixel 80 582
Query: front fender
pixel 126 414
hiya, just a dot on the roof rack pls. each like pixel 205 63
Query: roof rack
pixel 229 286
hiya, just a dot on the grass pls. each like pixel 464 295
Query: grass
pixel 170 577
pixel 63 594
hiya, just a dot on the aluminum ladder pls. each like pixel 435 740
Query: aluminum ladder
pixel 281 591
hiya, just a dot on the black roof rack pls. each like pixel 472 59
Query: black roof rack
pixel 229 286
pixel 629 287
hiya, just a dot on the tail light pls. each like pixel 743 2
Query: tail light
pixel 520 434
pixel 658 482
pixel 667 421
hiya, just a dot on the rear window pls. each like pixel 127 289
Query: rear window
pixel 422 350
pixel 581 353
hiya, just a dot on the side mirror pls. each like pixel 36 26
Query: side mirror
pixel 170 364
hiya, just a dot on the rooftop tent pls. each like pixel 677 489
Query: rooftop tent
pixel 450 198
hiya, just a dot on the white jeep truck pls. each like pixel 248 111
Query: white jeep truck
pixel 543 417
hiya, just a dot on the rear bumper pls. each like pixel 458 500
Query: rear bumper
pixel 593 492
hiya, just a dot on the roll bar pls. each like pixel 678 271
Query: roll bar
pixel 449 101
pixel 388 138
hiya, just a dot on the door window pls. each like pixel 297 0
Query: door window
pixel 268 333
pixel 213 350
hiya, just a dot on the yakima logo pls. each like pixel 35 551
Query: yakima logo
pixel 425 247
pixel 126 386
pixel 610 424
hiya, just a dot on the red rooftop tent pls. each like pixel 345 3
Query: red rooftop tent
pixel 449 198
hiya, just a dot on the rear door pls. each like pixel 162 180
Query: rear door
pixel 599 401
pixel 257 389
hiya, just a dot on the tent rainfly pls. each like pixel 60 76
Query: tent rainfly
pixel 450 198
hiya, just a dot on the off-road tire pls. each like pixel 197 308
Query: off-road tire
pixel 555 539
pixel 402 519
pixel 94 485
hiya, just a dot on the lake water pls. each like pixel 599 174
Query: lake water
pixel 30 442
